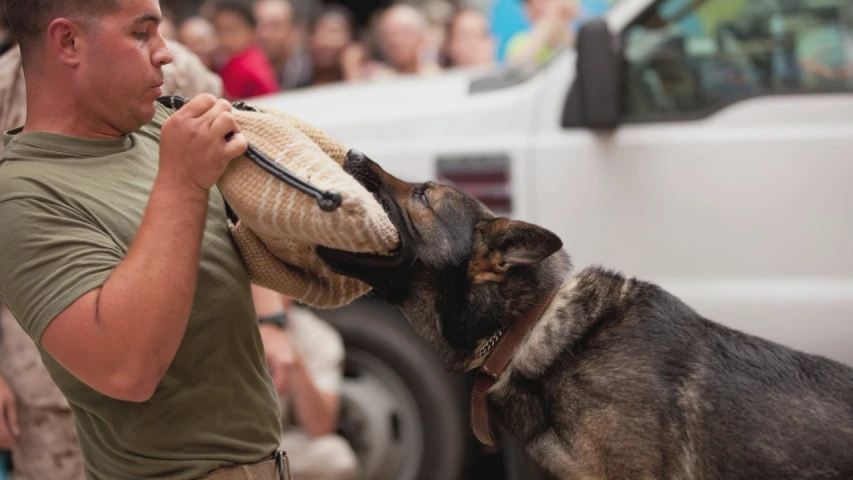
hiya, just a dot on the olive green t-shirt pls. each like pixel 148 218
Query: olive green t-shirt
pixel 69 210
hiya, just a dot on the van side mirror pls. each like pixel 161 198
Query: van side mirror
pixel 599 76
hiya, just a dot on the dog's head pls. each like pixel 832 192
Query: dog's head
pixel 460 273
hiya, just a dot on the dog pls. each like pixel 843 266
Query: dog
pixel 618 379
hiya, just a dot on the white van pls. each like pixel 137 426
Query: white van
pixel 705 145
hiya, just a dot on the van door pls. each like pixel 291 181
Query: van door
pixel 729 179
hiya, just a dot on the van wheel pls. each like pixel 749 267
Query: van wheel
pixel 400 411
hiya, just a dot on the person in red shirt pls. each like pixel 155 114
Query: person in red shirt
pixel 247 72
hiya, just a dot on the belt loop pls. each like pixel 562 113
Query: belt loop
pixel 283 465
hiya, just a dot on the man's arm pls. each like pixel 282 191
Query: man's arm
pixel 316 410
pixel 121 338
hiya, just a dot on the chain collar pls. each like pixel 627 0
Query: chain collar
pixel 490 344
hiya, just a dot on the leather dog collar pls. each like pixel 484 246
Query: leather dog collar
pixel 496 362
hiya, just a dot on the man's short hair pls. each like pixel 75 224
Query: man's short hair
pixel 29 19
pixel 242 10
pixel 334 10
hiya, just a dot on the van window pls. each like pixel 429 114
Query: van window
pixel 688 58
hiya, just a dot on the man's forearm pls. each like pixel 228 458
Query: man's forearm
pixel 316 410
pixel 143 308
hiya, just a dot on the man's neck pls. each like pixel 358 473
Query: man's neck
pixel 63 114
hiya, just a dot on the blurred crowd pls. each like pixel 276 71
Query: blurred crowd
pixel 265 46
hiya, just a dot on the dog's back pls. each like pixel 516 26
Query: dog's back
pixel 644 387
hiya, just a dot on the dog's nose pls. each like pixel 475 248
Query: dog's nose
pixel 356 157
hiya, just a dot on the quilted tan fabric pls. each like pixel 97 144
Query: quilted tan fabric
pixel 280 226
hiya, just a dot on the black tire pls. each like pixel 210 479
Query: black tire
pixel 371 328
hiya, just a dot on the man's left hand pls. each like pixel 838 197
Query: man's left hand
pixel 281 356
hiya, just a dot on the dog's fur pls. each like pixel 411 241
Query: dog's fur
pixel 619 379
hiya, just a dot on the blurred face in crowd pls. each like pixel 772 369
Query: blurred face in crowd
pixel 470 43
pixel 200 37
pixel 167 30
pixel 539 9
pixel 402 32
pixel 331 35
pixel 236 34
pixel 275 28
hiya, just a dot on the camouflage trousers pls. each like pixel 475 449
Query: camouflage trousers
pixel 47 447
pixel 329 457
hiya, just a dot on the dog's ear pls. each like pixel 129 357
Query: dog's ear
pixel 501 244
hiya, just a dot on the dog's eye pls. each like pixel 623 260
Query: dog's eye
pixel 420 194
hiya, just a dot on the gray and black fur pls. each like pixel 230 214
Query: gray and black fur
pixel 619 379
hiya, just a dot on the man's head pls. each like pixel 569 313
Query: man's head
pixel 101 58
pixel 331 32
pixel 470 41
pixel 235 24
pixel 200 37
pixel 402 33
pixel 539 9
pixel 275 28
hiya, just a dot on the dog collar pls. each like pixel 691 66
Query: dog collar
pixel 500 348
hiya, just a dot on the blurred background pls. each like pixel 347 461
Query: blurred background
pixel 701 144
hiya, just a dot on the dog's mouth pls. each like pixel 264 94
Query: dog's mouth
pixel 357 165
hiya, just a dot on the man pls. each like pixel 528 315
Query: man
pixel 402 38
pixel 551 21
pixel 470 42
pixel 198 34
pixel 116 255
pixel 825 53
pixel 247 72
pixel 281 39
pixel 307 376
pixel 331 34
pixel 43 440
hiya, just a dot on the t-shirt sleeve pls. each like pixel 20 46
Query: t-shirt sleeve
pixel 52 254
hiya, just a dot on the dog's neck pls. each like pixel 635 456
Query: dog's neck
pixel 552 297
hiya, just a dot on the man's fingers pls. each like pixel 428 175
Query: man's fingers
pixel 236 146
pixel 7 441
pixel 223 124
pixel 198 106
pixel 11 416
pixel 215 111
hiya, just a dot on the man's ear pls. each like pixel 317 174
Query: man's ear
pixel 501 244
pixel 63 37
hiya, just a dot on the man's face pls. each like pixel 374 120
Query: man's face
pixel 331 35
pixel 200 37
pixel 470 42
pixel 275 28
pixel 401 39
pixel 121 57
pixel 235 34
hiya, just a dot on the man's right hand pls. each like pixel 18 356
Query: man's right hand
pixel 193 148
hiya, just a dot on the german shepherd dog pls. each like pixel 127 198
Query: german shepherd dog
pixel 618 379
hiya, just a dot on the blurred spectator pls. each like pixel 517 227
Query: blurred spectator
pixel 403 38
pixel 439 14
pixel 826 53
pixel 331 35
pixel 198 34
pixel 167 26
pixel 312 353
pixel 6 40
pixel 470 42
pixel 551 21
pixel 247 72
pixel 281 39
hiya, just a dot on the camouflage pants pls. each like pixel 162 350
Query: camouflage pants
pixel 47 447
pixel 325 458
